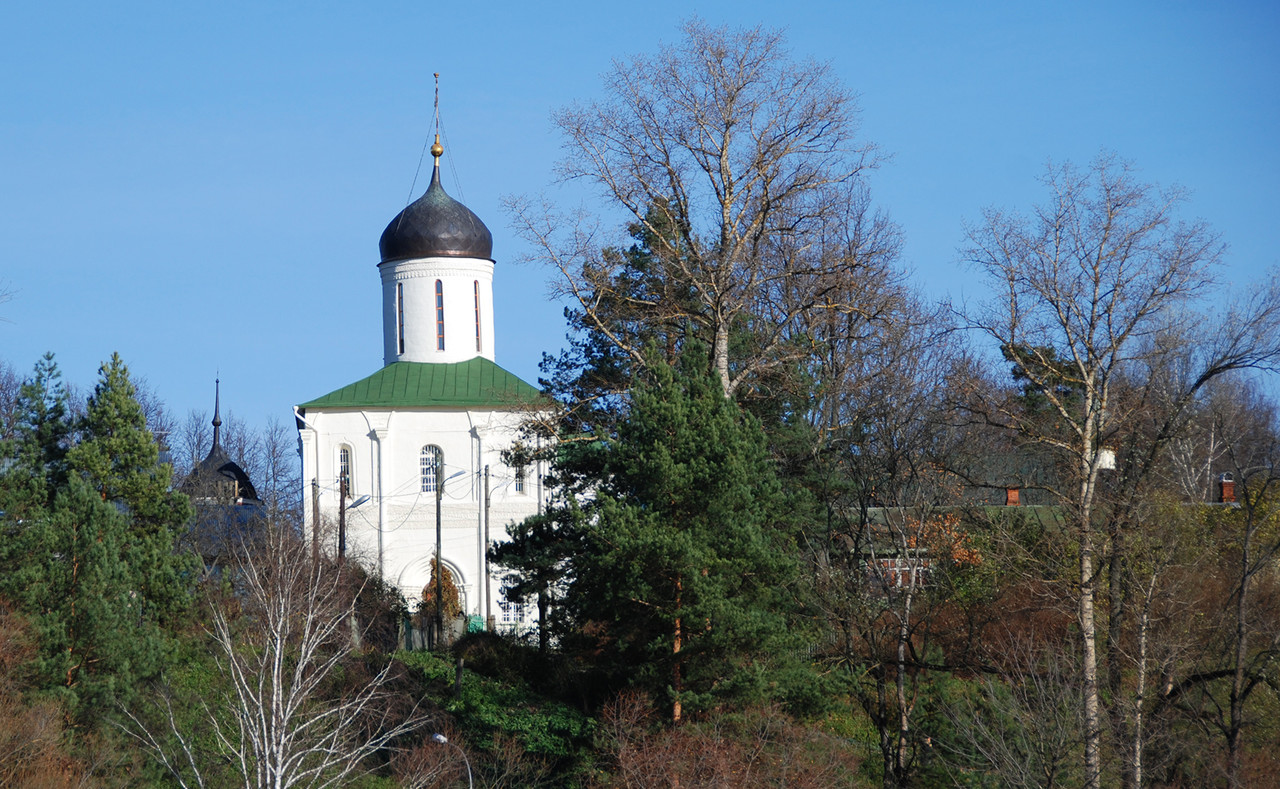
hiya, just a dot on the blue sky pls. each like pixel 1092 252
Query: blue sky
pixel 201 187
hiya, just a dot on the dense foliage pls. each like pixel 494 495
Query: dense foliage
pixel 682 557
pixel 88 550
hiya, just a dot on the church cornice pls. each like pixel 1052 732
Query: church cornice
pixel 436 268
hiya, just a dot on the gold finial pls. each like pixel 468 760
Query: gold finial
pixel 437 150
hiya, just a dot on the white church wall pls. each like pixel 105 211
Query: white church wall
pixel 391 520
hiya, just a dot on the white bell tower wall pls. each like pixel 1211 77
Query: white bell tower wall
pixel 413 319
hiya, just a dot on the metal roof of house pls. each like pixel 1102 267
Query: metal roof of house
pixel 475 383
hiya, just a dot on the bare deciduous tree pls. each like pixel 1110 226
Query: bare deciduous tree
pixel 10 384
pixel 1255 637
pixel 740 167
pixel 283 722
pixel 883 564
pixel 761 748
pixel 280 475
pixel 159 420
pixel 431 764
pixel 191 441
pixel 1024 723
pixel 505 765
pixel 1095 288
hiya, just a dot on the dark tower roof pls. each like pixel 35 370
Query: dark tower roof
pixel 211 476
pixel 436 225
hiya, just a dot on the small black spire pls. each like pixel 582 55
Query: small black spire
pixel 217 421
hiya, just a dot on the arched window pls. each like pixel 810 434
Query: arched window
pixel 520 480
pixel 478 347
pixel 439 315
pixel 400 313
pixel 344 470
pixel 431 463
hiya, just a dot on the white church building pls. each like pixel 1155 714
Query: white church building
pixel 439 401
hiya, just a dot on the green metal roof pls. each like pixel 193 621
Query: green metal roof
pixel 474 383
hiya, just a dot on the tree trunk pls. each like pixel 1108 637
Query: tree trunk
pixel 880 716
pixel 1134 772
pixel 721 354
pixel 1088 598
pixel 1116 597
pixel 1089 670
pixel 675 668
pixel 902 751
pixel 543 605
pixel 1234 779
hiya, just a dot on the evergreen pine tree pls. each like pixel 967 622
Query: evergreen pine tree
pixel 535 554
pixel 118 456
pixel 33 464
pixel 88 540
pixel 32 471
pixel 99 632
pixel 680 562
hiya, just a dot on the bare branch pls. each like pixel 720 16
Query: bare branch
pixel 279 643
pixel 741 169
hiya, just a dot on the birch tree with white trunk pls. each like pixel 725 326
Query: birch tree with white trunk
pixel 281 644
pixel 1092 288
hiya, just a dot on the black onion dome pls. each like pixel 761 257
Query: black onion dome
pixel 436 225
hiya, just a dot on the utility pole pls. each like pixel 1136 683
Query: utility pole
pixel 342 519
pixel 439 553
pixel 315 520
pixel 488 587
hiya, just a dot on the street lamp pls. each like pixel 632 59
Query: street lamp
pixel 440 480
pixel 443 740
